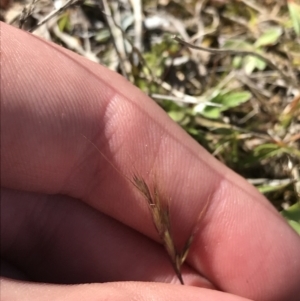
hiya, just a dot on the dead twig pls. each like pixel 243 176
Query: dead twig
pixel 117 38
pixel 294 170
pixel 54 13
pixel 240 53
pixel 26 13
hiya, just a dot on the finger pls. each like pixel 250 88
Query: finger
pixel 44 149
pixel 240 264
pixel 57 239
pixel 12 290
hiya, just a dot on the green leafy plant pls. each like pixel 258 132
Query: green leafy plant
pixel 292 215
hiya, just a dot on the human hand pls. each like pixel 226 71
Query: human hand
pixel 69 217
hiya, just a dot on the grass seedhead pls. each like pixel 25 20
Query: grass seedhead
pixel 160 213
pixel 161 218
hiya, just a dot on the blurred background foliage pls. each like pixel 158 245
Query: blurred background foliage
pixel 239 96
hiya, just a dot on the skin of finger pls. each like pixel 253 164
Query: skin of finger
pixel 234 247
pixel 13 290
pixel 57 239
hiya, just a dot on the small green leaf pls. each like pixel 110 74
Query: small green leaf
pixel 211 112
pixel 237 44
pixel 237 61
pixel 225 101
pixel 251 63
pixel 271 188
pixel 177 116
pixel 64 22
pixel 269 37
pixel 102 35
pixel 292 215
pixel 233 99
pixel 294 10
pixel 295 226
pixel 269 150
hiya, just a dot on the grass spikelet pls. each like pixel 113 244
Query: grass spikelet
pixel 160 213
pixel 161 219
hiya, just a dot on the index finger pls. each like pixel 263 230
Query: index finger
pixel 62 96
